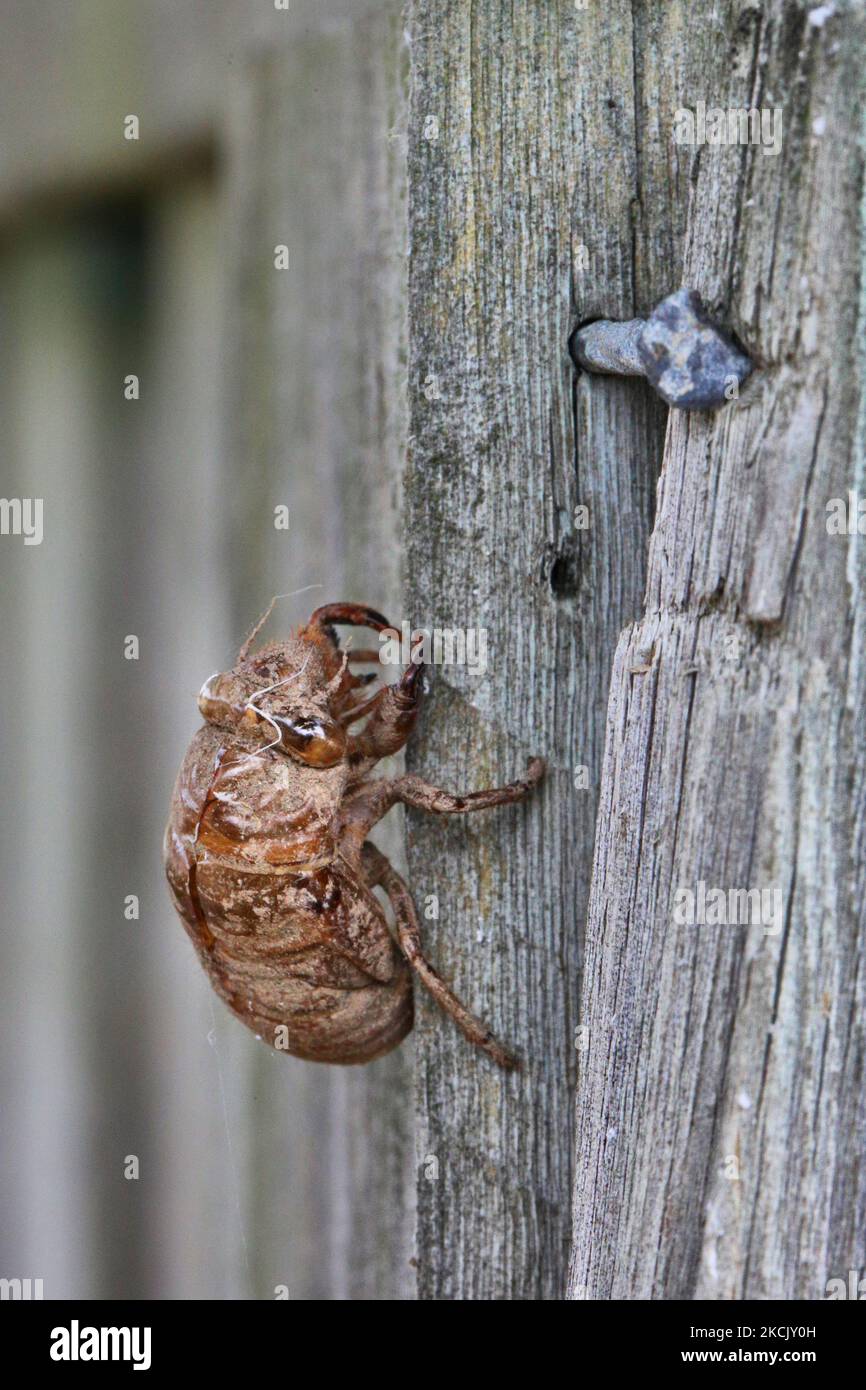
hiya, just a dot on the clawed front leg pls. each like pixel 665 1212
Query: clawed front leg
pixel 393 713
pixel 372 801
pixel 378 870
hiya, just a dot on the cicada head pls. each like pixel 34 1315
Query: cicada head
pixel 283 695
pixel 296 693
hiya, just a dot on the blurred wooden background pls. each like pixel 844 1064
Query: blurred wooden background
pixel 258 387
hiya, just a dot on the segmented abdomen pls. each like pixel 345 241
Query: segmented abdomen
pixel 304 959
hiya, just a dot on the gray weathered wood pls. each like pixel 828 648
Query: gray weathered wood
pixel 720 1127
pixel 525 181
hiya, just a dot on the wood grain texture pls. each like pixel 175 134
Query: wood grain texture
pixel 720 1126
pixel 532 208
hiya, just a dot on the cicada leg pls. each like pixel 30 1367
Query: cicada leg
pixel 379 870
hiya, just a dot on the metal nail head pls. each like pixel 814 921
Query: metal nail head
pixel 689 361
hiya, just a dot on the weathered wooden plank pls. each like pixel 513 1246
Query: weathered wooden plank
pixel 533 206
pixel 720 1123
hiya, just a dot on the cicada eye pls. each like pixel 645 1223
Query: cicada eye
pixel 316 742
pixel 217 707
pixel 212 704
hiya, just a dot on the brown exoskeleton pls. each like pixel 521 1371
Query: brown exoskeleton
pixel 267 853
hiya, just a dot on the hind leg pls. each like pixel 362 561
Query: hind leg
pixel 378 870
pixel 372 800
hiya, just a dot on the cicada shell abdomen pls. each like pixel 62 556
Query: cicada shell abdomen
pixel 291 937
